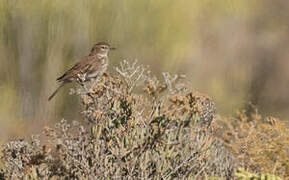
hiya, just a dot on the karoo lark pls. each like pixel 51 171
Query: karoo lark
pixel 89 67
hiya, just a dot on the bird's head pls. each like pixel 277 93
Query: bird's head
pixel 101 48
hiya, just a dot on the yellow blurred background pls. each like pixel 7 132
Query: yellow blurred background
pixel 234 51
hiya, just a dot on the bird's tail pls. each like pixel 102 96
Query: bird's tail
pixel 54 93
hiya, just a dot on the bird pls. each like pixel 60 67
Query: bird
pixel 90 67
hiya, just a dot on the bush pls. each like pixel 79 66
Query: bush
pixel 261 144
pixel 139 127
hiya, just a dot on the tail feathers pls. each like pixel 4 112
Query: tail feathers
pixel 59 78
pixel 54 93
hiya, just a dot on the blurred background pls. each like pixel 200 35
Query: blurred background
pixel 234 51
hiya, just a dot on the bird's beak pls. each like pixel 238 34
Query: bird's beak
pixel 112 48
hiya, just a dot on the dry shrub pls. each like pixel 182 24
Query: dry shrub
pixel 261 144
pixel 139 127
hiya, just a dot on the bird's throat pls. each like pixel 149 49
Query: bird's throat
pixel 100 56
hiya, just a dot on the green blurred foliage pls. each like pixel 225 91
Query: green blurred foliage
pixel 218 44
pixel 244 175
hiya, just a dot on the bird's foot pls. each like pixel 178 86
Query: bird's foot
pixel 81 78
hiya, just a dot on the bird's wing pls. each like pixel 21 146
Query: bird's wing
pixel 81 67
pixel 96 65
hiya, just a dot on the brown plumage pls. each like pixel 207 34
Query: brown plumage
pixel 89 67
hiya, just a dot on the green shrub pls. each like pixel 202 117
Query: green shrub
pixel 244 175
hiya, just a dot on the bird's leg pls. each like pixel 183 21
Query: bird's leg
pixel 81 77
pixel 80 80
